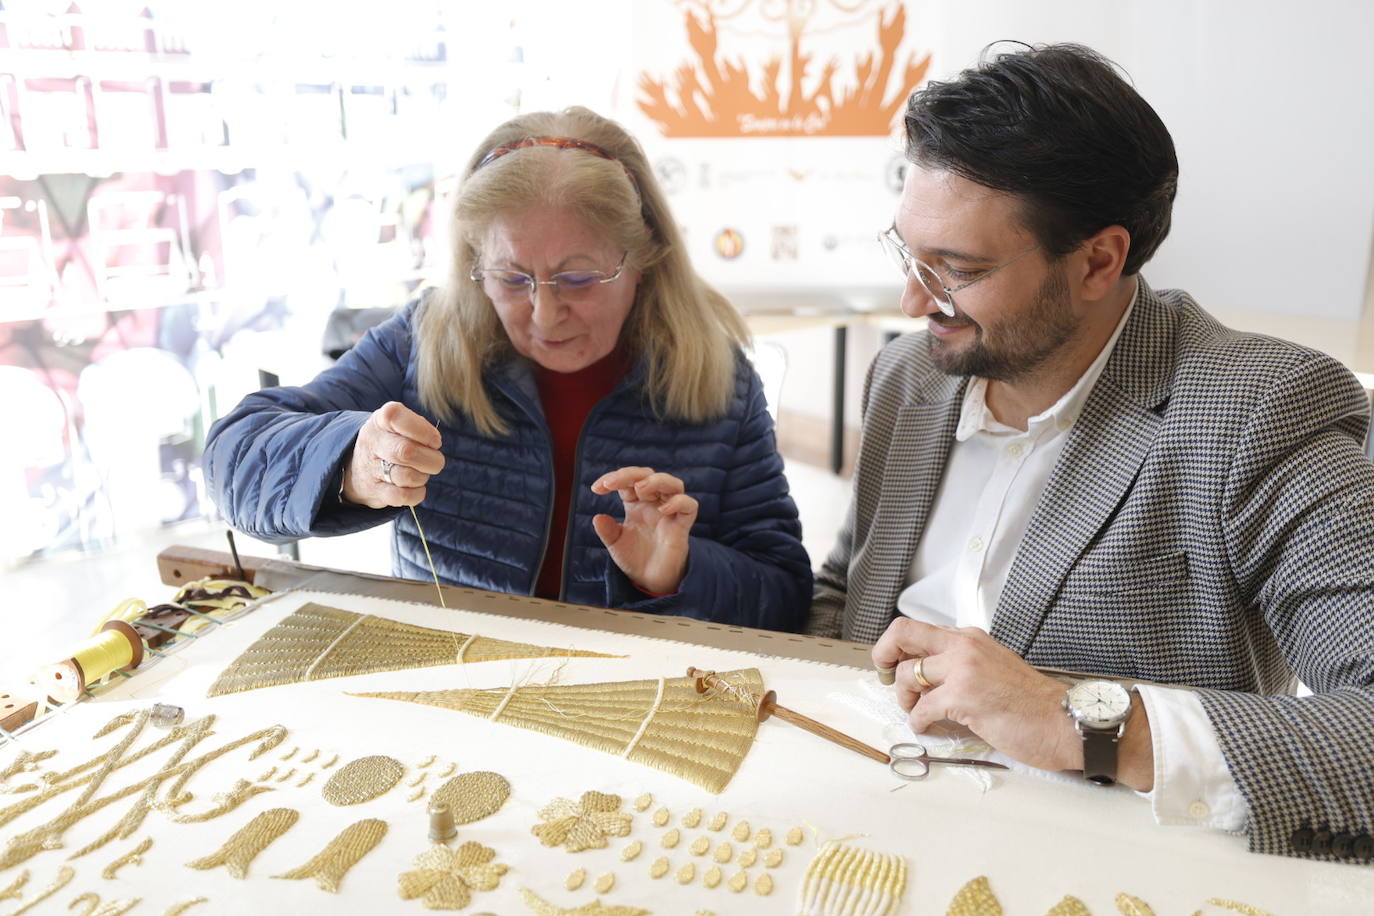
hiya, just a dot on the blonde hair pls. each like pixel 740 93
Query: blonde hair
pixel 684 330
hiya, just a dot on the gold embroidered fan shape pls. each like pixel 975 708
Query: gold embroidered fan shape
pixel 318 642
pixel 662 723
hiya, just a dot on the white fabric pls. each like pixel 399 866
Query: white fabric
pixel 964 556
pixel 949 829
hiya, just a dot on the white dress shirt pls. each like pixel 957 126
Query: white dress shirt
pixel 991 486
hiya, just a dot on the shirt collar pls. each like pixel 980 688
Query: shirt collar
pixel 975 417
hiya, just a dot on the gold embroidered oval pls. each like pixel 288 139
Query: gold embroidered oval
pixel 631 852
pixel 764 885
pixel 700 845
pixel 718 822
pixel 473 796
pixel 741 831
pixel 686 873
pixel 712 876
pixel 575 879
pixel 643 802
pixel 739 882
pixel 659 868
pixel 794 836
pixel 764 838
pixel 748 858
pixel 605 883
pixel 773 858
pixel 362 780
pixel 671 838
pixel 724 852
pixel 661 817
pixel 692 818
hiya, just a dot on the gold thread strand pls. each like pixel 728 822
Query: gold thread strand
pixel 177 909
pixel 15 889
pixel 132 857
pixel 239 851
pixel 1237 906
pixel 65 874
pixel 108 908
pixel 329 866
pixel 425 544
pixel 541 907
pixel 312 755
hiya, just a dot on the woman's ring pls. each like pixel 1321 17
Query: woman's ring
pixel 918 677
pixel 386 470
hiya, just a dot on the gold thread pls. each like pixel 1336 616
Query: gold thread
pixel 287 775
pixel 448 771
pixel 541 907
pixel 417 780
pixel 1237 906
pixel 329 866
pixel 268 775
pixel 425 544
pixel 14 890
pixel 132 857
pixel 332 760
pixel 239 851
pixel 648 717
pixel 308 776
pixel 65 874
pixel 177 909
pixel 416 795
pixel 428 761
pixel 312 755
pixel 289 754
pixel 109 908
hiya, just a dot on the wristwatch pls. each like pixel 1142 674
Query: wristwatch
pixel 1099 710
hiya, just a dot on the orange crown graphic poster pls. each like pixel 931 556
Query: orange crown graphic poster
pixel 799 81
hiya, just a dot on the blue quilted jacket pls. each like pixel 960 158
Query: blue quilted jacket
pixel 274 465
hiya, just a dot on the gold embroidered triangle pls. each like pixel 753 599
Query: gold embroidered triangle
pixel 662 723
pixel 318 642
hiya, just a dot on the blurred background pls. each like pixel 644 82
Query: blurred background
pixel 199 198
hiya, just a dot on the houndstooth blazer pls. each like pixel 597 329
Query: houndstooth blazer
pixel 1210 523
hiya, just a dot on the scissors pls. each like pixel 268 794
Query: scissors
pixel 910 761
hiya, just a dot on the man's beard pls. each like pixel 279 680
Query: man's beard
pixel 1024 341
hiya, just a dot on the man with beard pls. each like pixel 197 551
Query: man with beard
pixel 1068 469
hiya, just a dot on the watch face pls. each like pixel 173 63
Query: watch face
pixel 1099 704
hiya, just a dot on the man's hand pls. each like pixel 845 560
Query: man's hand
pixel 984 686
pixel 399 435
pixel 651 545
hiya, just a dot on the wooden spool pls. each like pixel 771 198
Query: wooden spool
pixel 67 680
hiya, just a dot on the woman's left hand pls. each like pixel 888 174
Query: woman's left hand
pixel 650 546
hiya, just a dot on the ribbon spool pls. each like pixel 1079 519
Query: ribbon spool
pixel 117 647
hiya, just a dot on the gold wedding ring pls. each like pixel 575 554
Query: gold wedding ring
pixel 918 677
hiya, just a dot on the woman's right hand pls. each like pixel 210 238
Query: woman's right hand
pixel 410 443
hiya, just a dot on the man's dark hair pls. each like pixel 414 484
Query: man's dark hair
pixel 1058 126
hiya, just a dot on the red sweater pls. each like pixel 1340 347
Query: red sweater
pixel 568 397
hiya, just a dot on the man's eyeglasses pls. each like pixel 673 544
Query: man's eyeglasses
pixel 512 285
pixel 943 295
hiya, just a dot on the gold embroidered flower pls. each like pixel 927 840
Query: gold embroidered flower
pixel 447 877
pixel 582 825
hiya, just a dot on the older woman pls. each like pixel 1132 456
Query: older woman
pixel 571 417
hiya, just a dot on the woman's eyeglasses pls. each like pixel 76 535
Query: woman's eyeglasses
pixel 513 285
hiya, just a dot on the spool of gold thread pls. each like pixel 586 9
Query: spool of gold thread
pixel 117 647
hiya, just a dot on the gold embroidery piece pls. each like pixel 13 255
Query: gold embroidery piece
pixel 686 873
pixel 448 771
pixel 712 877
pixel 473 796
pixel 363 780
pixel 239 851
pixel 660 867
pixel 15 889
pixel 699 846
pixel 739 881
pixel 772 858
pixel 575 879
pixel 764 885
pixel 845 880
pixel 671 838
pixel 416 795
pixel 741 831
pixel 28 761
pixel 177 909
pixel 114 724
pixel 224 803
pixel 541 907
pixel 268 775
pixel 329 866
pixel 428 761
pixel 308 776
pixel 1069 906
pixel 1132 906
pixel 318 642
pixel 287 775
pixel 447 878
pixel 1239 907
pixel 643 802
pixel 719 821
pixel 110 908
pixel 332 760
pixel 661 817
pixel 724 853
pixel 65 874
pixel 289 754
pixel 975 899
pixel 643 721
pixel 605 883
pixel 748 857
pixel 631 852
pixel 764 838
pixel 692 818
pixel 795 836
pixel 582 825
pixel 311 756
pixel 132 857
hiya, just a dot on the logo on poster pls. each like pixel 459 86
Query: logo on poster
pixel 729 243
pixel 770 86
